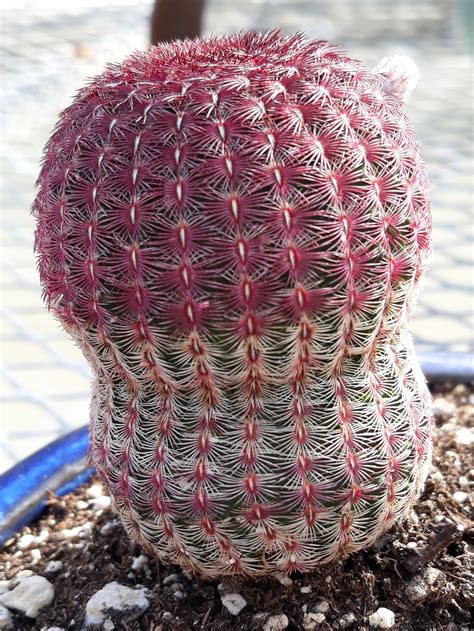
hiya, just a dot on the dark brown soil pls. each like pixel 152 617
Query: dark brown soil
pixel 438 535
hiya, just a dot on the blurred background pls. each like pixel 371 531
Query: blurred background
pixel 48 49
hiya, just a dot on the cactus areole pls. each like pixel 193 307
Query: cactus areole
pixel 233 231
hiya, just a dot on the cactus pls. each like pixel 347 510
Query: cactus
pixel 233 230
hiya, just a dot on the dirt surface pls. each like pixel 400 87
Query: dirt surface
pixel 421 571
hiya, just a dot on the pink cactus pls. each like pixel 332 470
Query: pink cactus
pixel 233 231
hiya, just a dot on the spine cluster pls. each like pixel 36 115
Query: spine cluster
pixel 233 230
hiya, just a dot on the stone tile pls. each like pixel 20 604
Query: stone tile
pixel 50 380
pixel 21 299
pixel 21 351
pixel 41 323
pixel 7 329
pixel 442 329
pixel 67 349
pixel 7 459
pixel 6 388
pixel 74 411
pixel 23 417
pixel 25 445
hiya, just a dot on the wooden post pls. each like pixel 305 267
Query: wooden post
pixel 176 19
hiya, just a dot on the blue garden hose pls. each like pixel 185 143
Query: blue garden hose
pixel 61 467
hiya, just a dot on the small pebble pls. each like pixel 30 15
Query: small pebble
pixel 463 482
pixel 306 589
pixel 140 561
pixel 25 541
pixel 346 621
pixel 6 619
pixel 108 625
pixel 81 505
pixel 442 408
pixel 276 623
pixel 35 554
pixel 178 594
pixel 312 620
pixel 77 531
pixel 234 603
pixel 53 567
pixel 460 497
pixel 286 581
pixel 30 595
pixel 106 528
pixel 95 491
pixel 101 503
pixel 171 578
pixel 411 544
pixel 322 606
pixel 383 618
pixel 43 535
pixel 464 437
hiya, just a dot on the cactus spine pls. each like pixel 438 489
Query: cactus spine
pixel 233 230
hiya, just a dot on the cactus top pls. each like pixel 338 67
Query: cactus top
pixel 233 230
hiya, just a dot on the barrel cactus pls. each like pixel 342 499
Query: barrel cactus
pixel 233 231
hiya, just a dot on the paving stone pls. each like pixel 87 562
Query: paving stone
pixel 51 49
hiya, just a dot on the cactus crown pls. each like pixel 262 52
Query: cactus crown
pixel 233 231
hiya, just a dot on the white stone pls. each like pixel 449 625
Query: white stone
pixel 25 541
pixel 77 531
pixel 346 621
pixel 35 554
pixel 286 581
pixel 312 620
pixel 464 437
pixel 116 597
pixel 108 625
pixel 139 562
pixel 106 528
pixel 234 603
pixel 463 482
pixel 322 606
pixel 55 629
pixel 417 589
pixel 171 578
pixel 30 595
pixel 42 536
pixel 81 505
pixel 276 623
pixel 95 491
pixel 6 619
pixel 101 503
pixel 442 408
pixel 306 589
pixel 383 618
pixel 53 567
pixel 434 576
pixel 460 497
